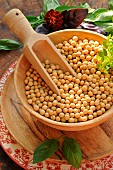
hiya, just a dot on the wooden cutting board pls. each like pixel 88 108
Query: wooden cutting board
pixel 95 143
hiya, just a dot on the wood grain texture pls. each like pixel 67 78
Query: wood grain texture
pixel 28 7
pixel 95 142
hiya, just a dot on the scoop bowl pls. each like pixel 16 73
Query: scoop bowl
pixel 20 74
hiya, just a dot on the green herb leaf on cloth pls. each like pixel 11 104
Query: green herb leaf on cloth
pixel 8 44
pixel 45 150
pixel 72 152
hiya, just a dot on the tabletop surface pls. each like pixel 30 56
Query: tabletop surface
pixel 28 7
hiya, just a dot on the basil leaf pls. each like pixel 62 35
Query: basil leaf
pixel 100 53
pixel 41 16
pixel 105 52
pixel 110 4
pixel 91 17
pixel 105 44
pixel 106 26
pixel 8 44
pixel 105 16
pixel 72 152
pixel 50 4
pixel 84 5
pixel 45 150
pixel 62 8
pixel 34 21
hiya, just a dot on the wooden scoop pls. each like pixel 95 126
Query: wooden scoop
pixel 37 47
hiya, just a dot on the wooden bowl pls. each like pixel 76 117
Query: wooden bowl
pixel 23 65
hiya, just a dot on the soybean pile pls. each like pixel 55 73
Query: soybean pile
pixel 84 97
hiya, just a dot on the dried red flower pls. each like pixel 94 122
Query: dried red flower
pixel 53 20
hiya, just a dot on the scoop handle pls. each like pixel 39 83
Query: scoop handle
pixel 18 24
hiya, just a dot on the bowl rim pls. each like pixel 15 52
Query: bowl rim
pixel 79 125
pixel 78 30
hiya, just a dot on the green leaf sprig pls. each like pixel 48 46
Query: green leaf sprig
pixel 102 17
pixel 34 21
pixel 105 57
pixel 71 151
pixel 8 44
